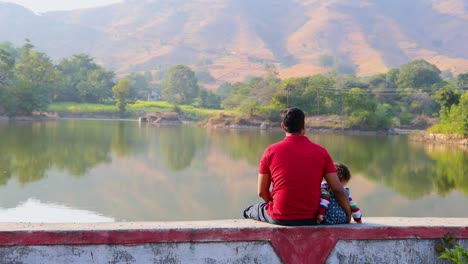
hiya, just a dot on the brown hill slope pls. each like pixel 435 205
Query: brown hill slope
pixel 233 39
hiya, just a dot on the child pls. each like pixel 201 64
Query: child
pixel 330 212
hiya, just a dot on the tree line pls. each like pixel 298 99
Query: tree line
pixel 396 98
pixel 30 81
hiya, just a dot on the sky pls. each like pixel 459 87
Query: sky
pixel 40 6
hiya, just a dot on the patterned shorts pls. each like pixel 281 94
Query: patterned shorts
pixel 334 214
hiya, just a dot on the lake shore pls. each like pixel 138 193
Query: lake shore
pixel 440 138
pixel 314 124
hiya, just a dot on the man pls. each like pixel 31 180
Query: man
pixel 295 168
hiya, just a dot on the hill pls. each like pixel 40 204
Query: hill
pixel 233 39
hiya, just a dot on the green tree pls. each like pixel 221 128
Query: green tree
pixel 392 77
pixel 262 89
pixel 238 93
pixel 415 82
pixel 121 90
pixel 249 106
pixel 224 90
pixel 459 115
pixel 383 89
pixel 462 81
pixel 313 99
pixel 98 86
pixel 364 111
pixel 357 99
pixel 36 79
pixel 291 87
pixel 180 86
pixel 7 64
pixel 420 103
pixel 9 48
pixel 208 99
pixel 74 70
pixel 417 74
pixel 84 81
pixel 140 86
pixel 446 97
pixel 456 120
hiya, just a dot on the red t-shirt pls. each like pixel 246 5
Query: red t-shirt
pixel 297 166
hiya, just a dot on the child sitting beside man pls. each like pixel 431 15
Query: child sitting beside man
pixel 330 212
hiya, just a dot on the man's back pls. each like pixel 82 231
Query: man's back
pixel 294 169
pixel 297 167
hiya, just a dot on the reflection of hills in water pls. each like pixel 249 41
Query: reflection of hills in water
pixel 33 210
pixel 379 201
pixel 409 168
pixel 135 173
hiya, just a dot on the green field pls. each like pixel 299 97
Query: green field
pixel 134 110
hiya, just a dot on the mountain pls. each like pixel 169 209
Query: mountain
pixel 233 39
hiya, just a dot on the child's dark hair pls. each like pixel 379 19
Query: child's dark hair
pixel 342 171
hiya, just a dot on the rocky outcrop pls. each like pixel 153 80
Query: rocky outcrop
pixel 170 118
pixel 227 121
pixel 451 139
pixel 440 138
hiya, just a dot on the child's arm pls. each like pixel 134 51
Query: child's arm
pixel 355 211
pixel 324 201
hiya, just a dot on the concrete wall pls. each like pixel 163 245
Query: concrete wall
pixel 379 240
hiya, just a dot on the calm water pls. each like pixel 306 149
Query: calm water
pixel 91 171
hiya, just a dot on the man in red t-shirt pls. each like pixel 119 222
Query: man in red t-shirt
pixel 294 167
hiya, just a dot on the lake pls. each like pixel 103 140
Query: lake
pixel 74 170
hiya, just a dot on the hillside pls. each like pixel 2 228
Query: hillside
pixel 233 39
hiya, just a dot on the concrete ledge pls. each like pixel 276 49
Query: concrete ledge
pixel 404 240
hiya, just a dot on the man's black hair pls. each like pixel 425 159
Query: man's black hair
pixel 293 119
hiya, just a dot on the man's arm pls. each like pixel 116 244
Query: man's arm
pixel 264 181
pixel 340 193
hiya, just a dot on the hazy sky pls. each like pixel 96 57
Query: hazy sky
pixel 53 5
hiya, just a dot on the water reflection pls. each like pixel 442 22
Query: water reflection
pixel 245 145
pixel 143 173
pixel 180 145
pixel 28 150
pixel 37 211
pixel 451 169
pixel 412 169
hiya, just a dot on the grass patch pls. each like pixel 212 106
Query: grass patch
pixel 134 110
pixel 157 106
pixel 447 129
pixel 198 114
pixel 77 108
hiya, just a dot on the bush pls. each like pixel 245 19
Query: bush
pixel 457 255
pixel 271 113
pixel 358 119
pixel 176 109
pixel 405 118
